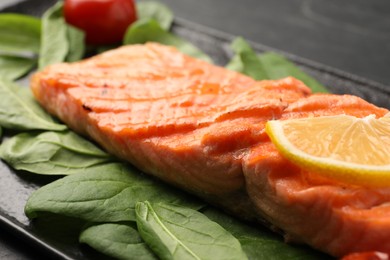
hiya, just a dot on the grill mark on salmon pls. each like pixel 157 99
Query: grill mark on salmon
pixel 201 128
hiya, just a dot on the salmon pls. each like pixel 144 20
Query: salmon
pixel 200 127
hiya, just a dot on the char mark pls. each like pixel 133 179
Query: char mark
pixel 87 108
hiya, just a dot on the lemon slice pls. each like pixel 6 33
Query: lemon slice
pixel 345 148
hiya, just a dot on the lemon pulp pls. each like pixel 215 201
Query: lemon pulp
pixel 345 148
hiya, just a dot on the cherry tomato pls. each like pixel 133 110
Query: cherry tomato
pixel 103 21
pixel 367 256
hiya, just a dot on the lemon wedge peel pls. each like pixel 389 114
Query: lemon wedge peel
pixel 363 174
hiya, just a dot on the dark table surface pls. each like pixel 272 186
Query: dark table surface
pixel 350 35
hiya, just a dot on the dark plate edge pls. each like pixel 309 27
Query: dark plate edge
pixel 21 233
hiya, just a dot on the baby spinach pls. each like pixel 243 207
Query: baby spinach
pixel 120 241
pixel 149 30
pixel 174 232
pixel 54 41
pixel 60 41
pixel 51 153
pixel 157 11
pixel 268 65
pixel 246 60
pixel 277 66
pixel 14 67
pixel 20 111
pixel 259 242
pixel 50 38
pixel 19 33
pixel 72 142
pixel 104 193
pixel 76 44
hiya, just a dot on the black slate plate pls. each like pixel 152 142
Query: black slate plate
pixel 15 187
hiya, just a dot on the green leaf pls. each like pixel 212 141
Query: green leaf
pixel 20 111
pixel 51 153
pixel 259 242
pixel 157 11
pixel 19 33
pixel 277 66
pixel 144 31
pixel 268 65
pixel 76 44
pixel 180 233
pixel 246 60
pixel 54 40
pixel 13 67
pixel 105 193
pixel 117 240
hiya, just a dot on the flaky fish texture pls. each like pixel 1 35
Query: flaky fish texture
pixel 200 127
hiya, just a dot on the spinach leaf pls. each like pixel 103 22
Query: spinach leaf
pixel 144 31
pixel 157 11
pixel 268 65
pixel 20 111
pixel 277 66
pixel 14 67
pixel 73 142
pixel 181 233
pixel 104 193
pixel 120 241
pixel 76 44
pixel 19 33
pixel 246 60
pixel 260 243
pixel 54 41
pixel 51 153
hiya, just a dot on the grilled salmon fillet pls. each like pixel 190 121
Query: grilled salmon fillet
pixel 200 127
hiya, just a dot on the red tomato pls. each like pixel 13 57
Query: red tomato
pixel 367 256
pixel 103 21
